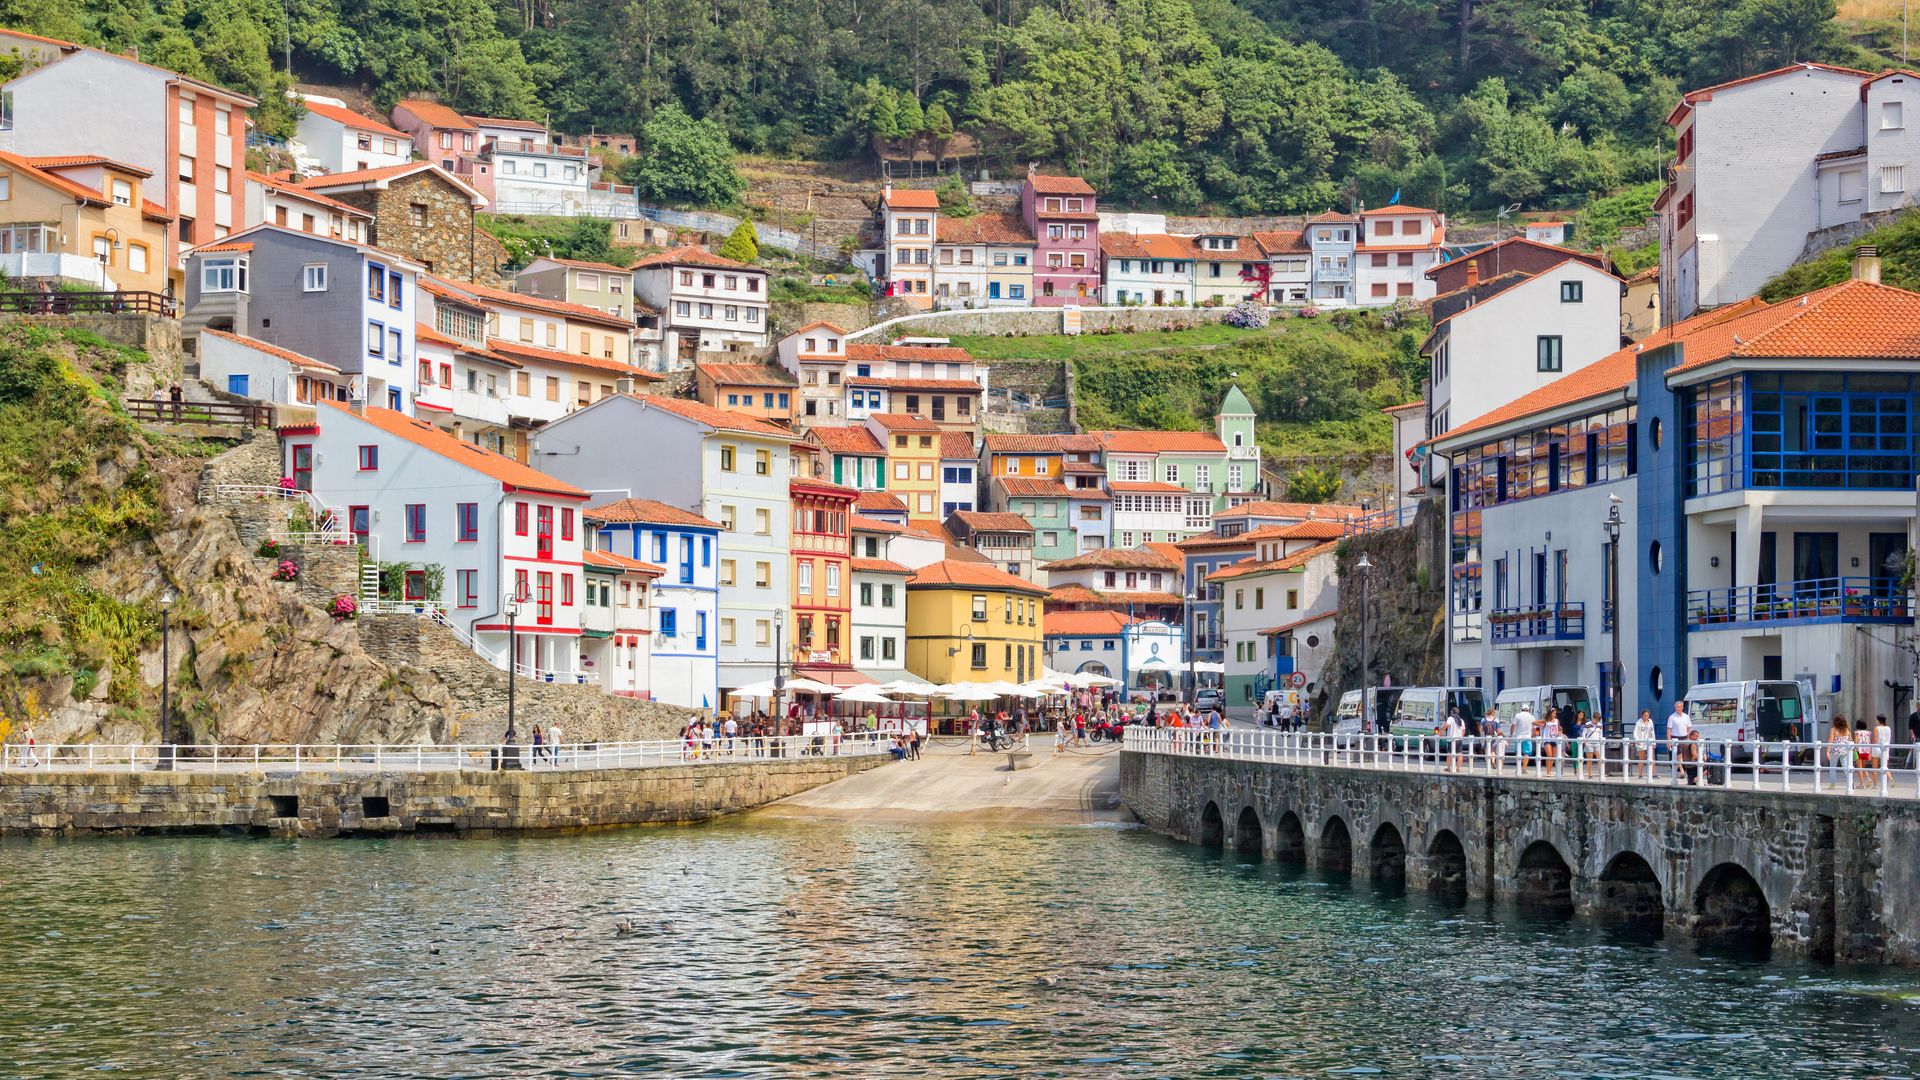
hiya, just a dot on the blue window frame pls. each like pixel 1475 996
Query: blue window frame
pixel 394 349
pixel 686 560
pixel 1715 437
pixel 376 338
pixel 416 523
pixel 1708 669
pixel 669 622
pixel 237 384
pixel 467 519
pixel 1019 260
pixel 784 399
pixel 993 290
pixel 1019 292
pixel 660 548
pixel 393 399
pixel 706 551
pixel 395 292
pixel 376 282
pixel 863 370
pixel 700 630
pixel 1831 430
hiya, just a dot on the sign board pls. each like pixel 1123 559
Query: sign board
pixel 1297 680
pixel 1070 319
pixel 820 658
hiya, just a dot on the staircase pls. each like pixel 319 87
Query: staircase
pixel 369 598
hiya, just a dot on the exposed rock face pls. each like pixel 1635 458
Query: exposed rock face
pixel 1406 616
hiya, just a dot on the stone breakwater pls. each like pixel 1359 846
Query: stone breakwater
pixel 462 803
pixel 1834 877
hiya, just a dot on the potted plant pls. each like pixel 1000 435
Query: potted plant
pixel 286 571
pixel 268 549
pixel 343 607
pixel 1856 604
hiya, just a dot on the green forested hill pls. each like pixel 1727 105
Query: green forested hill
pixel 1257 106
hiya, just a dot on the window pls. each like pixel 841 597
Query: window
pixel 669 622
pixel 467 522
pixel 519 519
pixel 763 462
pixel 1572 292
pixel 763 522
pixel 313 277
pixel 222 176
pixel 369 458
pixel 136 253
pixel 417 215
pixel 466 588
pixel 221 275
pixel 1893 178
pixel 762 575
pixel 726 458
pixel 376 282
pixel 416 523
pixel 978 656
pixel 566 523
pixel 1891 118
pixel 1547 352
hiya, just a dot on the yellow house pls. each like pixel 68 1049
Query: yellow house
pixel 81 218
pixel 1036 456
pixel 913 460
pixel 972 622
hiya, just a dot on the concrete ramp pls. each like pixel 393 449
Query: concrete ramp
pixel 1073 787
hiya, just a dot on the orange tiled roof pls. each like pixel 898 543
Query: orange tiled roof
pixel 956 444
pixel 1174 556
pixel 1596 259
pixel 423 332
pixel 1396 211
pixel 746 375
pixel 1060 185
pixel 505 122
pixel 1080 594
pixel 1030 487
pixel 646 511
pixel 1115 559
pixel 474 291
pixel 1291 562
pixel 582 264
pixel 879 566
pixel 690 255
pixel 1148 246
pixel 904 422
pixel 1269 508
pixel 621 562
pixel 863 523
pixel 555 356
pixel 954 574
pixel 1086 623
pixel 1208 541
pixel 298 192
pixel 949 386
pixel 879 502
pixel 848 440
pixel 497 466
pixel 979 521
pixel 1145 487
pixel 1854 320
pixel 389 172
pixel 1283 242
pixel 1023 444
pixel 911 199
pixel 434 114
pixel 983 229
pixel 943 353
pixel 74 161
pixel 55 180
pixel 720 419
pixel 820 325
pixel 1162 442
pixel 296 359
pixel 350 118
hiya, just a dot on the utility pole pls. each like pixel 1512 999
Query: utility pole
pixel 1617 691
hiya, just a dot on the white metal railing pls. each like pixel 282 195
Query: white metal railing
pixel 437 613
pixel 432 757
pixel 1891 771
pixel 329 522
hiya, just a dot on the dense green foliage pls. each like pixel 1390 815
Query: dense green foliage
pixel 743 243
pixel 1899 245
pixel 527 238
pixel 686 160
pixel 1267 105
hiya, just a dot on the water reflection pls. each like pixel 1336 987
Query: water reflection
pixel 767 948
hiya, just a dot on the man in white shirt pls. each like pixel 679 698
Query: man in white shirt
pixel 1456 735
pixel 1522 735
pixel 1679 727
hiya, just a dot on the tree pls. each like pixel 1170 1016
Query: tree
pixel 743 244
pixel 685 160
pixel 1310 485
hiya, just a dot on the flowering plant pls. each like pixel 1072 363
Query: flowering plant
pixel 343 607
pixel 286 483
pixel 286 571
pixel 268 549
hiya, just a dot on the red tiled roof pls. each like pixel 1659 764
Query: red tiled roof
pixel 350 118
pixel 1080 594
pixel 880 502
pixel 983 229
pixel 932 530
pixel 1023 444
pixel 434 114
pixel 942 353
pixel 1706 93
pixel 1208 542
pixel 423 332
pixel 1854 320
pixel 1269 508
pixel 298 192
pixel 1396 211
pixel 1174 556
pixel 821 325
pixel 721 419
pixel 904 422
pixel 621 562
pixel 1299 530
pixel 582 264
pixel 1291 562
pixel 1086 623
pixel 475 291
pixel 646 511
pixel 911 199
pixel 151 209
pixel 1284 242
pixel 74 161
pixel 879 566
pixel 1147 246
pixel 864 523
pixel 555 356
pixel 505 122
pixel 1029 487
pixel 327 181
pixel 55 180
pixel 233 245
pixel 979 521
pixel 848 440
pixel 296 359
pixel 952 573
pixel 948 386
pixel 1088 494
pixel 424 435
pixel 1162 442
pixel 689 255
pixel 1115 559
pixel 1059 185
pixel 746 375
pixel 1144 487
pixel 1596 259
pixel 955 445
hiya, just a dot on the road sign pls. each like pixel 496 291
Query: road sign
pixel 1297 679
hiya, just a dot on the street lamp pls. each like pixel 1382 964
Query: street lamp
pixel 1364 568
pixel 1617 692
pixel 1193 641
pixel 164 761
pixel 779 670
pixel 511 757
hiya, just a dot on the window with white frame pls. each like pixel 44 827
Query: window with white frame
pixel 223 275
pixel 1893 178
pixel 313 277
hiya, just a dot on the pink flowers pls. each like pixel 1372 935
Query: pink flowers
pixel 343 607
pixel 286 483
pixel 286 571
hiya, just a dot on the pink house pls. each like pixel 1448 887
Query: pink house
pixel 1066 232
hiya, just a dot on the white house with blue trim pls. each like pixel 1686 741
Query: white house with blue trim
pixel 685 656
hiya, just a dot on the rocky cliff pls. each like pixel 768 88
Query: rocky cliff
pixel 1405 609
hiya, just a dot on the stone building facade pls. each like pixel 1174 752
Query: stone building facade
pixel 427 218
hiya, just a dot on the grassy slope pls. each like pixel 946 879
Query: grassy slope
pixel 1899 245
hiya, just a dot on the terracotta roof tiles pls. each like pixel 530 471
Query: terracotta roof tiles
pixel 1115 559
pixel 647 512
pixel 979 521
pixel 746 375
pixel 1162 442
pixel 849 440
pixel 424 435
pixel 296 359
pixel 1086 623
pixel 350 118
pixel 1059 185
pixel 690 255
pixel 954 574
pixel 983 229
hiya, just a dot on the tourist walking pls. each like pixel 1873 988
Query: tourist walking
pixel 554 742
pixel 1496 740
pixel 1882 751
pixel 539 743
pixel 176 396
pixel 1679 726
pixel 1456 734
pixel 28 741
pixel 1863 753
pixel 1643 735
pixel 1523 721
pixel 1840 750
pixel 1550 735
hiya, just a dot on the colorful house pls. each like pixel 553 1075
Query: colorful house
pixel 819 647
pixel 755 389
pixel 683 654
pixel 424 213
pixel 82 219
pixel 1153 269
pixel 1045 505
pixel 907 218
pixel 616 629
pixel 272 200
pixel 1228 269
pixel 959 473
pixel 341 140
pixel 971 622
pixel 913 459
pixel 816 356
pixel 1060 213
pixel 983 261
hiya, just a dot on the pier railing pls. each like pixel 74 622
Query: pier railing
pixel 432 757
pixel 1891 771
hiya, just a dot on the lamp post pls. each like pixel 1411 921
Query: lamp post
pixel 164 761
pixel 779 670
pixel 511 757
pixel 1364 568
pixel 1617 692
pixel 1193 643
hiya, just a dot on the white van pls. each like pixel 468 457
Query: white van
pixel 1348 720
pixel 1752 711
pixel 1569 700
pixel 1421 709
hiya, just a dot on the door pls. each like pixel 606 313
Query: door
pixel 359 523
pixel 302 471
pixel 1886 560
pixel 416 584
pixel 1816 557
pixel 543 532
pixel 543 599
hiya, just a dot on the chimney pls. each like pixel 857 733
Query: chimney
pixel 1866 264
pixel 886 192
pixel 357 406
pixel 1473 272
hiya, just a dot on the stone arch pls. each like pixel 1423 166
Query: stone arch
pixel 1630 894
pixel 1387 859
pixel 1447 867
pixel 1246 832
pixel 1290 840
pixel 1336 847
pixel 1543 881
pixel 1213 831
pixel 1730 911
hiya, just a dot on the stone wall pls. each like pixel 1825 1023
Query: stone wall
pixel 156 335
pixel 1833 236
pixel 785 318
pixel 1030 322
pixel 1406 616
pixel 1839 875
pixel 467 803
pixel 451 244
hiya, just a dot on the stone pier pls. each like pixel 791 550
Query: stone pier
pixel 347 803
pixel 1835 877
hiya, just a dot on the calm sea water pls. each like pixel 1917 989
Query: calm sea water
pixel 827 950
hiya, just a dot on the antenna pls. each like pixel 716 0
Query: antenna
pixel 1499 216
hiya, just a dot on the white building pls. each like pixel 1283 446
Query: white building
pixel 732 468
pixel 616 626
pixel 907 223
pixel 470 528
pixel 707 303
pixel 1289 585
pixel 1398 245
pixel 1289 266
pixel 816 356
pixel 1504 344
pixel 341 140
pixel 682 652
pixel 1837 146
pixel 255 369
pixel 1147 268
pixel 272 201
pixel 879 601
pixel 959 473
pixel 1331 240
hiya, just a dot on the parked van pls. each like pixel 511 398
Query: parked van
pixel 1381 699
pixel 1752 711
pixel 1421 709
pixel 1570 700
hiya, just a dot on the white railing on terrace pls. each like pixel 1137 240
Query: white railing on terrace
pixel 438 614
pixel 1806 768
pixel 432 757
pixel 328 521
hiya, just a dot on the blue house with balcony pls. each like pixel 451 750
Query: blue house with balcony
pixel 686 599
pixel 1761 459
pixel 1144 654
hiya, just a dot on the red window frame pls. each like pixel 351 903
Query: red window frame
pixel 519 519
pixel 416 524
pixel 467 588
pixel 543 598
pixel 543 533
pixel 520 586
pixel 566 590
pixel 370 457
pixel 359 522
pixel 415 584
pixel 466 523
pixel 566 523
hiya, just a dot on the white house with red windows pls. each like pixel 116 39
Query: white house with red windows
pixel 1397 246
pixel 469 529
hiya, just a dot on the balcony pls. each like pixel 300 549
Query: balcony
pixel 1333 273
pixel 1538 625
pixel 1843 599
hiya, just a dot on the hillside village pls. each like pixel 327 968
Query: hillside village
pixel 628 476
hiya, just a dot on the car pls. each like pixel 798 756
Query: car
pixel 1208 697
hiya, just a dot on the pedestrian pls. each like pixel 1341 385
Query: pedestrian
pixel 1456 734
pixel 1840 750
pixel 1690 763
pixel 1497 746
pixel 913 743
pixel 1679 727
pixel 539 743
pixel 1883 749
pixel 1576 732
pixel 554 742
pixel 176 395
pixel 1550 735
pixel 27 739
pixel 1643 736
pixel 1523 721
pixel 1863 752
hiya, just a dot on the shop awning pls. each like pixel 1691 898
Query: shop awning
pixel 831 675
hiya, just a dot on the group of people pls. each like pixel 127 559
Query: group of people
pixel 1282 713
pixel 1861 753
